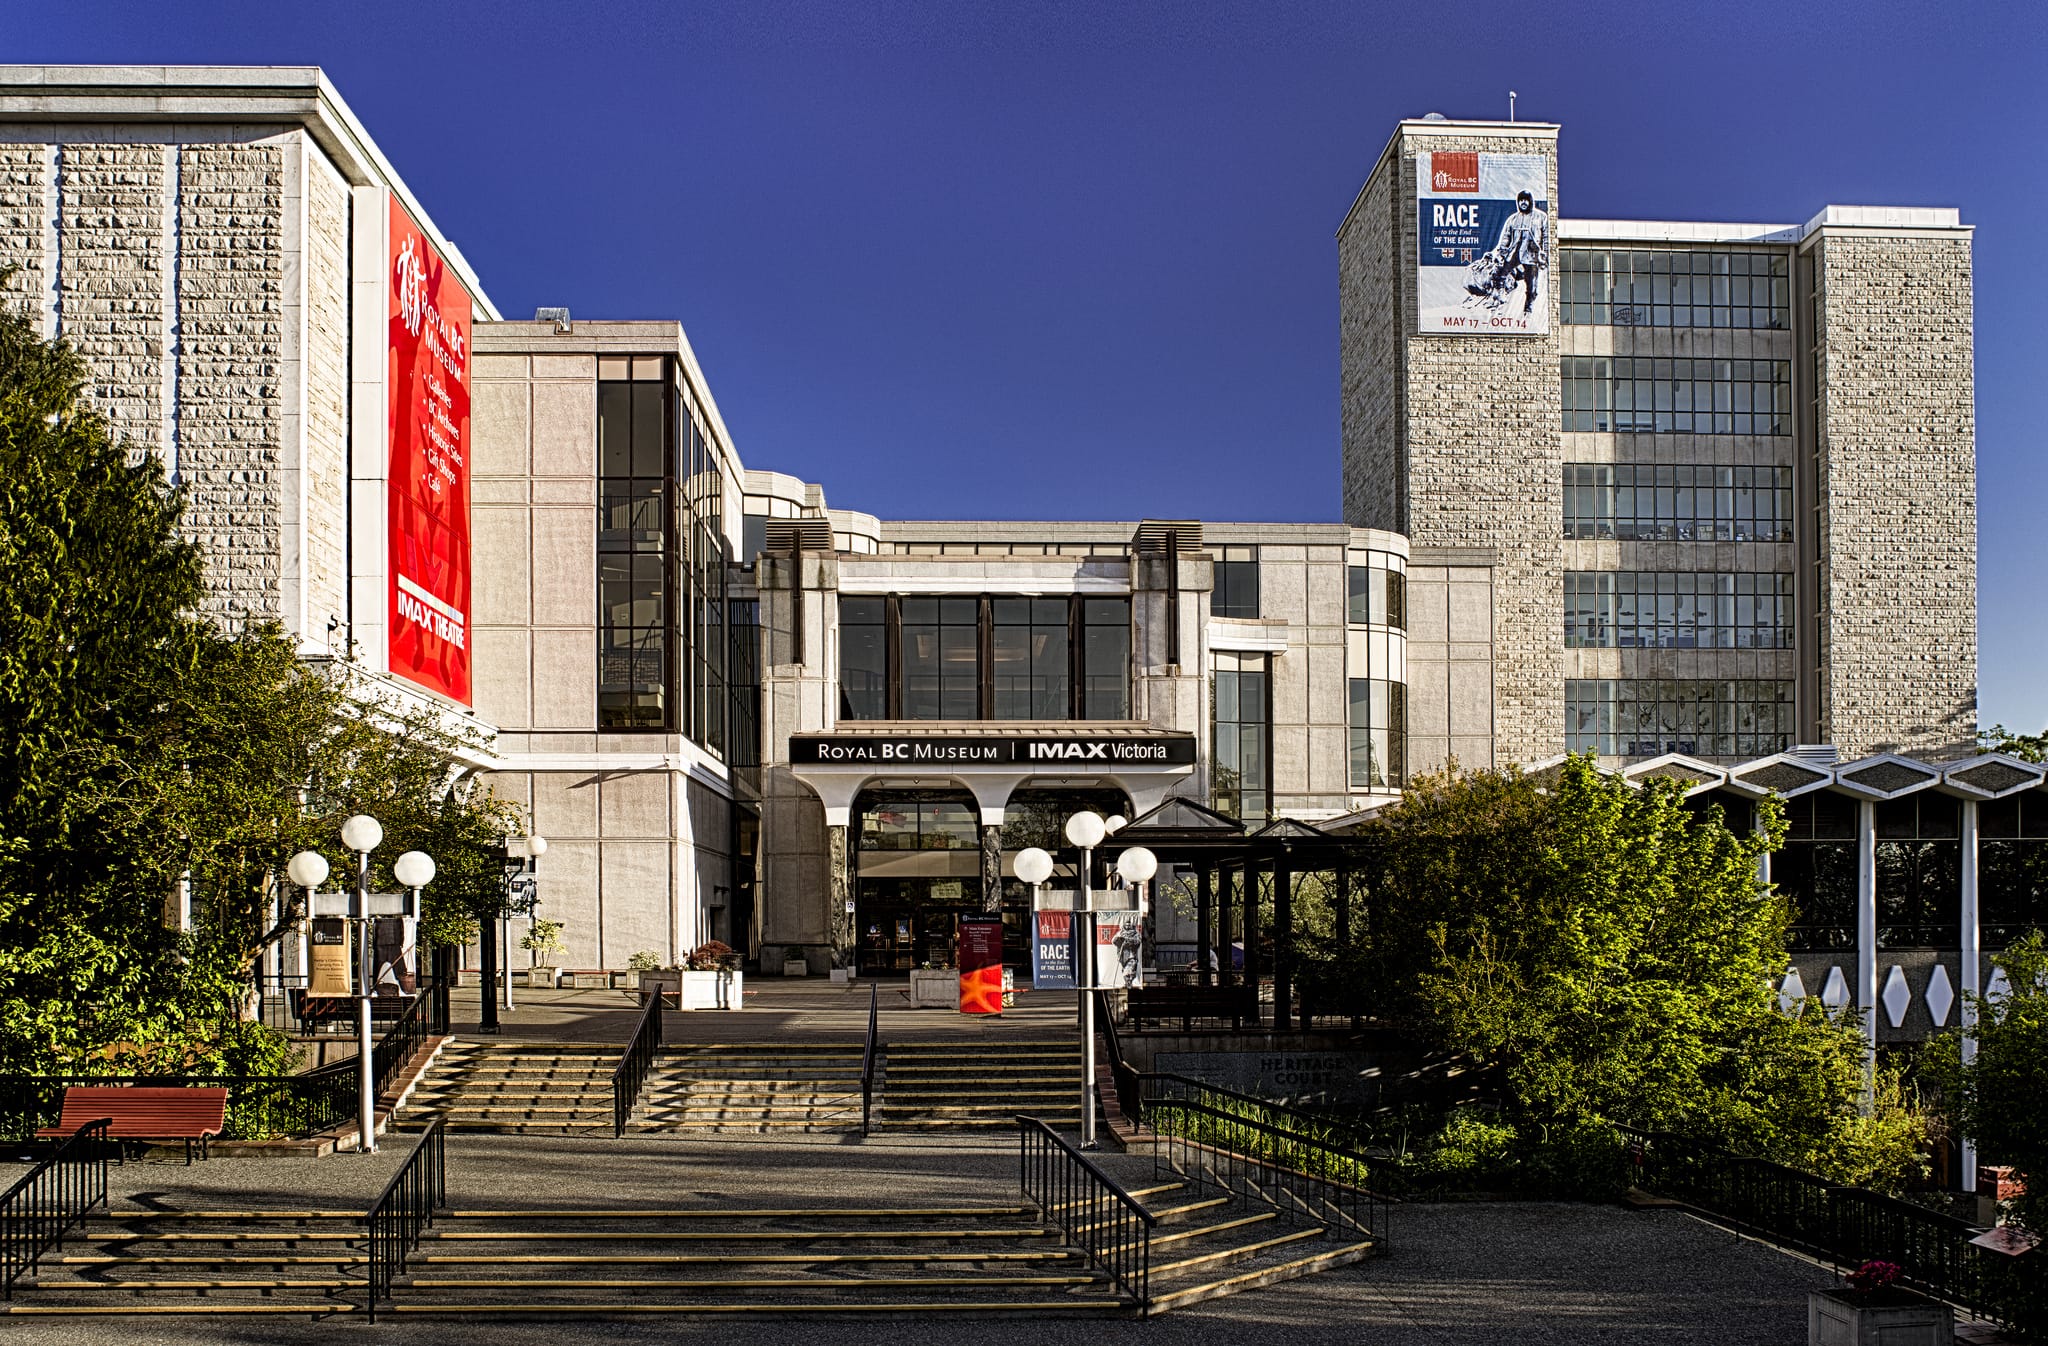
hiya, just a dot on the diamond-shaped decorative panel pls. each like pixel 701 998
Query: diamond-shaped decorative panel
pixel 1835 995
pixel 1886 777
pixel 1792 994
pixel 1896 996
pixel 1941 996
pixel 2000 987
pixel 1779 776
pixel 1992 777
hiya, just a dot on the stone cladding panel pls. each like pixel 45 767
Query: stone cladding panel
pixel 111 273
pixel 326 442
pixel 231 310
pixel 1898 476
pixel 23 190
pixel 1475 442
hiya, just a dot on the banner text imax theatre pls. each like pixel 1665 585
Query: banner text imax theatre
pixel 429 489
pixel 1484 236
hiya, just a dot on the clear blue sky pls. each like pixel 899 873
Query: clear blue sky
pixel 1030 259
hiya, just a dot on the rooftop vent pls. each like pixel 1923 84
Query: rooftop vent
pixel 558 316
pixel 1434 117
pixel 1825 754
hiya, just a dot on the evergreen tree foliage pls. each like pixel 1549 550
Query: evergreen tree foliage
pixel 1998 1096
pixel 151 761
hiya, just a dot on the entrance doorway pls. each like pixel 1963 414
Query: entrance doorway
pixel 917 870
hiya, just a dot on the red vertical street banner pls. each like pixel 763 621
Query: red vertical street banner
pixel 429 486
pixel 981 965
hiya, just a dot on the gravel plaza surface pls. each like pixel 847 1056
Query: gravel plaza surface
pixel 1479 1272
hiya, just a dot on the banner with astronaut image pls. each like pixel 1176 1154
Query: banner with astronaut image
pixel 1484 239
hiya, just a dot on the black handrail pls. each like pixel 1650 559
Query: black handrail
pixel 1128 1100
pixel 867 1060
pixel 1095 1212
pixel 398 1045
pixel 1308 1168
pixel 50 1198
pixel 398 1217
pixel 638 1061
pixel 1846 1226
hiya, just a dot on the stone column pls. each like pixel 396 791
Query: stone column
pixel 991 869
pixel 1866 937
pixel 839 918
pixel 1971 966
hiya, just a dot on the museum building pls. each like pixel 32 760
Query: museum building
pixel 1686 495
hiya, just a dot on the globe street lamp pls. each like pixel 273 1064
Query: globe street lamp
pixel 529 849
pixel 362 834
pixel 1086 831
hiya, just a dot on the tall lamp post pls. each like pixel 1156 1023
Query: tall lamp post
pixel 1086 831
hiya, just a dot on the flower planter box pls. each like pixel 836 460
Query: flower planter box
pixel 1890 1317
pixel 934 988
pixel 842 976
pixel 541 978
pixel 590 980
pixel 720 990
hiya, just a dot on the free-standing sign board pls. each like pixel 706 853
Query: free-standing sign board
pixel 1052 951
pixel 429 318
pixel 329 961
pixel 981 965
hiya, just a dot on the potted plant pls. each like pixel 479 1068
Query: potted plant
pixel 1869 1306
pixel 934 986
pixel 544 941
pixel 711 977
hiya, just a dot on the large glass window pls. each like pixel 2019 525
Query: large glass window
pixel 1105 659
pixel 1676 610
pixel 2012 867
pixel 1378 595
pixel 863 659
pixel 941 658
pixel 1644 287
pixel 1642 395
pixel 1919 872
pixel 634 551
pixel 743 625
pixel 1237 583
pixel 1647 717
pixel 1681 502
pixel 1379 734
pixel 918 821
pixel 1816 871
pixel 1031 662
pixel 1241 764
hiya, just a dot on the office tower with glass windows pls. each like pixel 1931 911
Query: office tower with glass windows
pixel 1690 488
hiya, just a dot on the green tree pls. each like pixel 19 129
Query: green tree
pixel 1995 1098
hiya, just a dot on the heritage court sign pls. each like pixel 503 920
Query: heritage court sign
pixel 936 750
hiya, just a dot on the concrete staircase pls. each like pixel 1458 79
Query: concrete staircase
pixel 980 1083
pixel 516 1087
pixel 762 1088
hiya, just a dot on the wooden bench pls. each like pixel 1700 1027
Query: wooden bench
pixel 145 1112
pixel 1188 1003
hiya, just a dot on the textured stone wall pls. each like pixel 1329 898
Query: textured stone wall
pixel 325 463
pixel 23 189
pixel 1470 431
pixel 231 347
pixel 112 281
pixel 1896 457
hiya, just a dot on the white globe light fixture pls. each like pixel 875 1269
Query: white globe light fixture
pixel 1137 865
pixel 1086 830
pixel 415 869
pixel 1034 866
pixel 307 869
pixel 362 834
pixel 1116 822
pixel 536 846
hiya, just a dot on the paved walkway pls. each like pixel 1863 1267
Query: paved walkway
pixel 1524 1273
pixel 792 1009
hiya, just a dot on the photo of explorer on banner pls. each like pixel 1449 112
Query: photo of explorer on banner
pixel 1483 243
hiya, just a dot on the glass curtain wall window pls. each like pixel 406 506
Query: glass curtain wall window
pixel 1919 872
pixel 1677 610
pixel 2012 867
pixel 1379 734
pixel 1647 717
pixel 705 499
pixel 1241 760
pixel 1611 287
pixel 635 545
pixel 1684 396
pixel 743 625
pixel 1816 871
pixel 1378 596
pixel 995 657
pixel 1237 583
pixel 1677 502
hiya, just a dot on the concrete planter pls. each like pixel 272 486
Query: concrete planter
pixel 720 990
pixel 666 981
pixel 541 977
pixel 1893 1318
pixel 935 988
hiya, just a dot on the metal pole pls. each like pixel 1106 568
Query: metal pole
pixel 505 925
pixel 1084 977
pixel 366 1066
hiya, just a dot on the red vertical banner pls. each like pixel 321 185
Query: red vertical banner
pixel 428 378
pixel 981 964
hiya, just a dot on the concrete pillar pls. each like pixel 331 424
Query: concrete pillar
pixel 1866 934
pixel 1249 935
pixel 1202 926
pixel 1225 895
pixel 1283 942
pixel 839 916
pixel 1972 968
pixel 991 869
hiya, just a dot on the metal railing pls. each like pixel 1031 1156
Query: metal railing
pixel 259 1106
pixel 634 1066
pixel 1845 1226
pixel 50 1198
pixel 396 1220
pixel 1309 1168
pixel 867 1060
pixel 1096 1214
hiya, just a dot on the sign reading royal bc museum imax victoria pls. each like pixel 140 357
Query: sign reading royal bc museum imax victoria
pixel 429 488
pixel 1484 237
pixel 914 751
